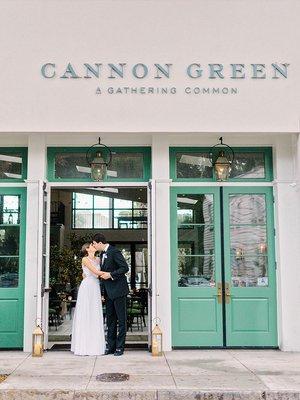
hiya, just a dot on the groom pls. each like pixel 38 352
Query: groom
pixel 115 286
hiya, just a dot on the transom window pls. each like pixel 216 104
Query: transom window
pixel 105 212
pixel 13 164
pixel 190 164
pixel 127 164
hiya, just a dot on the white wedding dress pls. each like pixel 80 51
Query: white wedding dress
pixel 88 329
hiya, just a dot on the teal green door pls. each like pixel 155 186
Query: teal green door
pixel 196 272
pixel 250 275
pixel 223 267
pixel 12 257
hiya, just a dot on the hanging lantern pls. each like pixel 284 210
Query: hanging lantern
pixel 97 161
pixel 156 340
pixel 222 161
pixel 38 342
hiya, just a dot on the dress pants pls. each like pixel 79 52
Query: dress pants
pixel 116 315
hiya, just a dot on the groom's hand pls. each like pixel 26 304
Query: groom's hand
pixel 105 276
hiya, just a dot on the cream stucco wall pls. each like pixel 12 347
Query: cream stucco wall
pixel 179 32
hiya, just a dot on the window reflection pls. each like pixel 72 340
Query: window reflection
pixel 196 262
pixel 248 240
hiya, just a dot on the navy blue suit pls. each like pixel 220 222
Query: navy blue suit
pixel 115 291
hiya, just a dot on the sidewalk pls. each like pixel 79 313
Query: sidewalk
pixel 178 375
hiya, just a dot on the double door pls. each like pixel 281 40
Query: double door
pixel 223 267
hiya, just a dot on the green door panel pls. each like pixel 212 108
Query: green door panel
pixel 249 261
pixel 12 260
pixel 195 252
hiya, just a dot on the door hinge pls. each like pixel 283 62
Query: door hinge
pixel 275 264
pixel 274 232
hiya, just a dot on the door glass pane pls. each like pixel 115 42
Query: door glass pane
pixel 141 266
pixel 247 272
pixel 247 209
pixel 9 240
pixel 196 242
pixel 248 240
pixel 195 209
pixel 198 239
pixel 195 270
pixel 9 272
pixel 10 210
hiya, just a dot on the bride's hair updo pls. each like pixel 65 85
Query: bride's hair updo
pixel 84 248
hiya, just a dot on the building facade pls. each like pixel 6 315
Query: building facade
pixel 159 83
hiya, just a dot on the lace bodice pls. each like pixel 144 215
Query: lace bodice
pixel 96 264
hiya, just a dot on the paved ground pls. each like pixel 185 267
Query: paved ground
pixel 197 374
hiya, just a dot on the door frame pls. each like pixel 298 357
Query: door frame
pixel 44 311
pixel 271 210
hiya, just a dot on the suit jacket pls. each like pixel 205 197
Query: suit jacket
pixel 115 263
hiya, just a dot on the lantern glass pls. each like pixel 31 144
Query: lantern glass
pixel 222 167
pixel 38 342
pixel 156 341
pixel 98 168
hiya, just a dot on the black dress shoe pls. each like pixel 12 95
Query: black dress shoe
pixel 107 352
pixel 119 352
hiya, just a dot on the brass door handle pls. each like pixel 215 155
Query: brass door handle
pixel 227 293
pixel 219 292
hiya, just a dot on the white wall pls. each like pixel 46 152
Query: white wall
pixel 180 32
pixel 36 172
pixel 287 196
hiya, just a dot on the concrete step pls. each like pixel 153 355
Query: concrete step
pixel 178 394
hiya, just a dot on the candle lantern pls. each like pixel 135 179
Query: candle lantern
pixel 156 340
pixel 97 161
pixel 37 342
pixel 221 160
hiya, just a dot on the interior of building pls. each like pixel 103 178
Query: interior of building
pixel 77 213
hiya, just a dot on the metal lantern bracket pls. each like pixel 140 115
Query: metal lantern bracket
pixel 97 147
pixel 213 156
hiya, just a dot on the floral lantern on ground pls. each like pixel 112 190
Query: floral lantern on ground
pixel 38 342
pixel 156 340
pixel 98 161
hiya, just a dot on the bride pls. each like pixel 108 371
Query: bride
pixel 88 329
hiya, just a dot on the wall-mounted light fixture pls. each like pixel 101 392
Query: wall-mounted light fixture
pixel 221 157
pixel 98 157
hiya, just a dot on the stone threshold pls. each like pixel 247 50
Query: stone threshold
pixel 175 394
